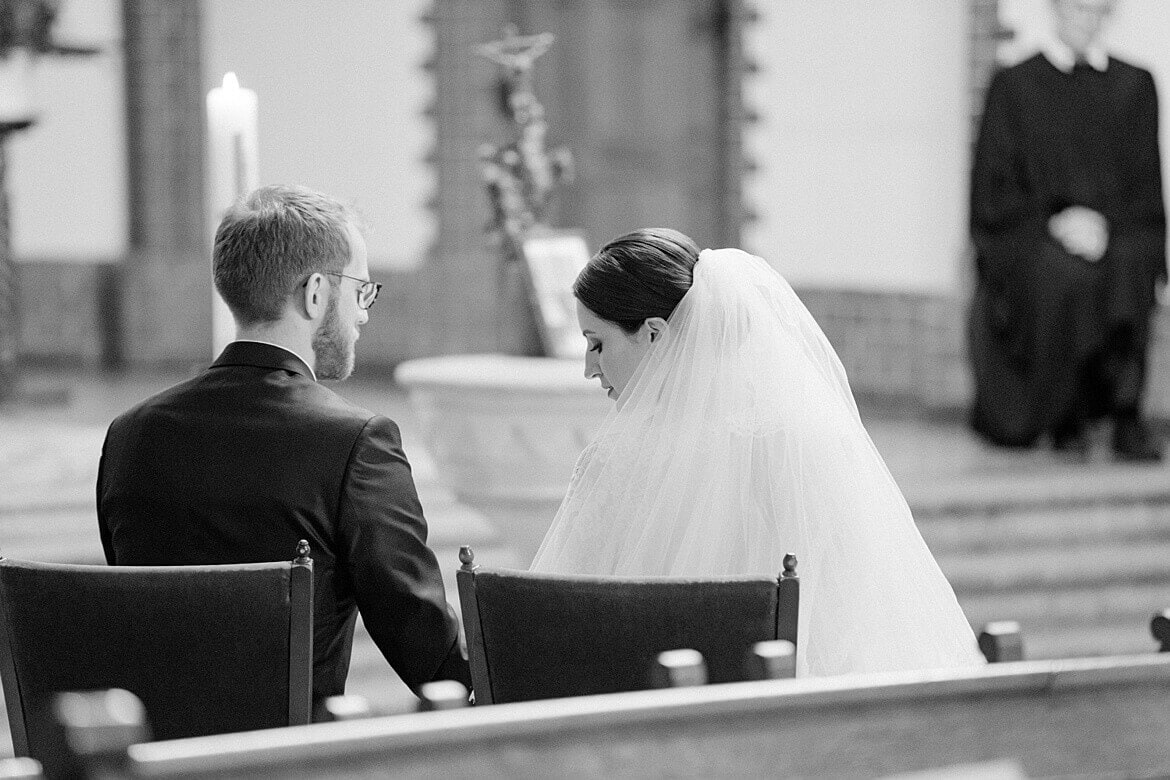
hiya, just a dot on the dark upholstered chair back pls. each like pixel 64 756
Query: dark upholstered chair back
pixel 208 649
pixel 540 636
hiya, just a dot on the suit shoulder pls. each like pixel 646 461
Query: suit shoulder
pixel 327 402
pixel 147 406
pixel 343 412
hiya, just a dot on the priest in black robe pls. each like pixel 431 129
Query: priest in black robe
pixel 1069 228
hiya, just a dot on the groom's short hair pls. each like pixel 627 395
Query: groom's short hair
pixel 270 240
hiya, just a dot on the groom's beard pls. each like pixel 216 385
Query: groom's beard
pixel 334 353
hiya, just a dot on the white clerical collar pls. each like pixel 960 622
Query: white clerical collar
pixel 1064 58
pixel 308 365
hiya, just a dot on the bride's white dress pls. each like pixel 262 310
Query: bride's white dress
pixel 738 440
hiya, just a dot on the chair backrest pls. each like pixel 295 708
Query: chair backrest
pixel 208 649
pixel 539 636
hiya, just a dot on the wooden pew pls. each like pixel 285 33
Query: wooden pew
pixel 1072 716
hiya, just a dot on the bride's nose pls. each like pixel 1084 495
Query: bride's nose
pixel 591 368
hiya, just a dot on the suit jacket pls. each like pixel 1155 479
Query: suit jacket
pixel 237 464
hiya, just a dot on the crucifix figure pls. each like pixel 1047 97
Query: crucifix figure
pixel 521 175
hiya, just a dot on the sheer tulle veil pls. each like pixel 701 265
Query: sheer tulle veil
pixel 738 440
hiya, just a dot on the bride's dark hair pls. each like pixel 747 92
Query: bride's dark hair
pixel 639 275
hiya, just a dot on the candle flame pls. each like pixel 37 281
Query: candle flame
pixel 230 81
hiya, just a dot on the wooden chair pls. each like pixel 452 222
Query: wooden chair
pixel 208 649
pixel 539 636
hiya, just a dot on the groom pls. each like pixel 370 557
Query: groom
pixel 237 464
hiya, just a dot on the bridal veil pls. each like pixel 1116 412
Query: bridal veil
pixel 736 441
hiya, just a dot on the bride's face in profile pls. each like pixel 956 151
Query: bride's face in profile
pixel 611 354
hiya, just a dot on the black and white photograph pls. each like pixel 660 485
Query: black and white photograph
pixel 584 388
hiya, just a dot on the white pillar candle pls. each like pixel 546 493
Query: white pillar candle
pixel 233 170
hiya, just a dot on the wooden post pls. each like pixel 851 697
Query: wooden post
pixel 788 600
pixel 468 603
pixel 300 641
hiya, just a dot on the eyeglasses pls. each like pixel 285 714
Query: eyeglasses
pixel 367 291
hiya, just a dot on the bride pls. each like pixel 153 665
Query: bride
pixel 734 439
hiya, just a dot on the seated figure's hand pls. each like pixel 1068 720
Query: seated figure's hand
pixel 1081 231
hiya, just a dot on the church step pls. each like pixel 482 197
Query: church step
pixel 1008 528
pixel 1036 484
pixel 1130 603
pixel 1089 639
pixel 1078 557
pixel 1098 565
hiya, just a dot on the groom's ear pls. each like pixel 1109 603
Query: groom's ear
pixel 314 297
pixel 655 327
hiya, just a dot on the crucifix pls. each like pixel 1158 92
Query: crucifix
pixel 521 175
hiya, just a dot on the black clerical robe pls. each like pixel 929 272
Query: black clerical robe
pixel 1050 140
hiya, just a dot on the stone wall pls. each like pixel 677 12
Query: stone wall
pixel 907 353
pixel 68 314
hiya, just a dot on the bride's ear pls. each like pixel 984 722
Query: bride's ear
pixel 654 327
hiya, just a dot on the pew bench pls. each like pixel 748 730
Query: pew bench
pixel 1069 716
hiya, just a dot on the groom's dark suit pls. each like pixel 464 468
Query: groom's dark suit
pixel 237 464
